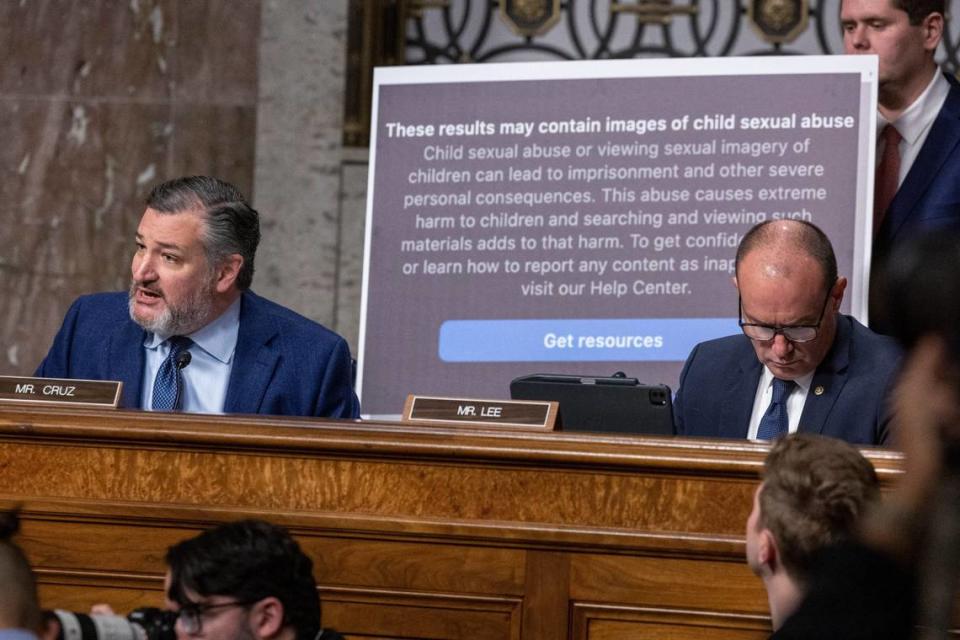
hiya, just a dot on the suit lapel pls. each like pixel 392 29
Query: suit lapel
pixel 125 362
pixel 943 138
pixel 828 381
pixel 740 395
pixel 254 361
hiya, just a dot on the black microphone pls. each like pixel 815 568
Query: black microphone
pixel 183 359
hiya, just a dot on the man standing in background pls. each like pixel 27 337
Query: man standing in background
pixel 917 183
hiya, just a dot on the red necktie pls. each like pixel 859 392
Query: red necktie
pixel 888 175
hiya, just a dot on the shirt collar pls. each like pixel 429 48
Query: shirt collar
pixel 803 382
pixel 920 115
pixel 217 338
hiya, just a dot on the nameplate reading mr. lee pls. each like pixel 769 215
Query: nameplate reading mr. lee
pixel 463 412
pixel 53 391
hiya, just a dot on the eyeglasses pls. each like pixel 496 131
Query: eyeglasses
pixel 191 614
pixel 794 332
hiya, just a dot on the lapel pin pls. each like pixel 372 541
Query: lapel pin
pixel 818 390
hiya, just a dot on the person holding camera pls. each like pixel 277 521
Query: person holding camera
pixel 246 580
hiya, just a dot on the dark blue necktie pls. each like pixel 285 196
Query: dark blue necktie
pixel 774 421
pixel 168 387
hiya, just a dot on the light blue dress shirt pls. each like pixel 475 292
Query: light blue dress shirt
pixel 206 378
pixel 17 634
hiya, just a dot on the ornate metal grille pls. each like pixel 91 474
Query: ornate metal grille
pixel 457 31
pixel 452 31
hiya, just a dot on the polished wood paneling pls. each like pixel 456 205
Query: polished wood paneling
pixel 415 532
pixel 643 623
pixel 433 566
pixel 372 614
pixel 674 582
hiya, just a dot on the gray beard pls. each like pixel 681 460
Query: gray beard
pixel 176 321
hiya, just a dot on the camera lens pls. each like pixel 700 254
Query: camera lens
pixel 80 626
pixel 142 624
pixel 157 624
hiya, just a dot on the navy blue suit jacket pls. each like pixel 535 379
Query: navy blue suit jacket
pixel 929 197
pixel 719 384
pixel 284 364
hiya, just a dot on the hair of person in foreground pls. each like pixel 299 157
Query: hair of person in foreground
pixel 250 561
pixel 19 608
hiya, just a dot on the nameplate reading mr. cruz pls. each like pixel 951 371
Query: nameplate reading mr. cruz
pixel 54 391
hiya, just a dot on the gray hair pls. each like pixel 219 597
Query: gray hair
pixel 231 225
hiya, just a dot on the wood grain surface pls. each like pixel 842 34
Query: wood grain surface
pixel 415 532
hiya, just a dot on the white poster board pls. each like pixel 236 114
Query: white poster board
pixel 583 217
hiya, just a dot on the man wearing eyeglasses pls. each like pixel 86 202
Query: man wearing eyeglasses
pixel 244 580
pixel 799 365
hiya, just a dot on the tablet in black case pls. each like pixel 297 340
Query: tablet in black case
pixel 601 403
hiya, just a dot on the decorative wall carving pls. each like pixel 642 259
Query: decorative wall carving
pixel 458 31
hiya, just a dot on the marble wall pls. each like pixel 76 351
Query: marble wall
pixel 310 190
pixel 102 99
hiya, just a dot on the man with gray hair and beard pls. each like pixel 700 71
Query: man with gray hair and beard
pixel 190 335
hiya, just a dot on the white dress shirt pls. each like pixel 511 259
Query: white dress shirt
pixel 795 401
pixel 915 123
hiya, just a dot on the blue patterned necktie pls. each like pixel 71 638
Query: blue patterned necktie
pixel 774 420
pixel 168 387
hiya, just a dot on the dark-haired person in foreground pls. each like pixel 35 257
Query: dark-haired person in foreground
pixel 190 335
pixel 799 365
pixel 900 579
pixel 19 611
pixel 814 492
pixel 246 580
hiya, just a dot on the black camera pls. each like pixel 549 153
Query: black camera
pixel 142 624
